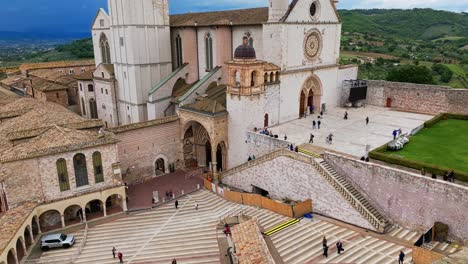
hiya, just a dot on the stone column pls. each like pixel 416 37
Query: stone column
pixel 32 236
pixel 62 217
pixel 104 208
pixel 83 211
pixel 124 204
pixel 16 257
pixel 214 163
pixel 25 249
pixel 38 226
pixel 201 155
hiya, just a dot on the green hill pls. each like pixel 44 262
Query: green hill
pixel 422 24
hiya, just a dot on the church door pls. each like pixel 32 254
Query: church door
pixel 301 105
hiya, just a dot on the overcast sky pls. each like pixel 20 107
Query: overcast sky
pixel 77 15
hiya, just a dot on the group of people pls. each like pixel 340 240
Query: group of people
pixel 251 157
pixel 292 148
pixel 396 133
pixel 448 176
pixel 119 254
pixel 339 247
pixel 266 132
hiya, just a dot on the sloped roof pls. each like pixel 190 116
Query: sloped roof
pixel 12 220
pixel 251 16
pixel 47 86
pixel 12 80
pixel 7 96
pixel 87 75
pixel 56 140
pixel 212 102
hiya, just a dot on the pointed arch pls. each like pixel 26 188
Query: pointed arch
pixel 105 49
pixel 178 50
pixel 311 94
pixel 209 52
pixel 93 108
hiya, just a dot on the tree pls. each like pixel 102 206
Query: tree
pixel 444 72
pixel 411 74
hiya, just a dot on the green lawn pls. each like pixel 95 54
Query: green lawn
pixel 444 144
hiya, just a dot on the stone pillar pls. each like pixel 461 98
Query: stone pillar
pixel 124 204
pixel 62 217
pixel 16 257
pixel 104 208
pixel 38 226
pixel 25 249
pixel 83 211
pixel 201 155
pixel 214 163
pixel 31 235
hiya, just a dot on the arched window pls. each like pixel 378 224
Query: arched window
pixel 81 171
pixel 238 79
pixel 81 87
pixel 83 107
pixel 93 108
pixel 251 42
pixel 253 79
pixel 265 120
pixel 97 164
pixel 105 49
pixel 209 52
pixel 178 45
pixel 90 88
pixel 265 78
pixel 62 173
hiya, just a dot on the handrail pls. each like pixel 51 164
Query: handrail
pixel 81 246
pixel 356 203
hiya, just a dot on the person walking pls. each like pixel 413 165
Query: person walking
pixel 339 247
pixel 314 124
pixel 325 251
pixel 174 261
pixel 395 134
pixel 311 140
pixel 367 120
pixel 285 137
pixel 318 124
pixel 324 241
pixel 401 257
pixel 196 205
pixel 321 113
pixel 176 203
pixel 114 251
pixel 120 256
pixel 346 115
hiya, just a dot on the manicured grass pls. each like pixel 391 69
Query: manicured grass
pixel 444 144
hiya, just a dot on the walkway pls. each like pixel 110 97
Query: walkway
pixel 352 135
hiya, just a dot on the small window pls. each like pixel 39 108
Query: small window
pixel 62 175
pixel 97 164
pixel 83 70
pixel 103 106
pixel 106 124
pixel 313 9
pixel 121 41
pixel 102 74
pixel 90 88
pixel 81 87
pixel 57 95
pixel 101 22
pixel 102 91
pixel 72 71
pixel 125 75
pixel 107 92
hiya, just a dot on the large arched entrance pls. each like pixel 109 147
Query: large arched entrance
pixel 197 145
pixel 73 215
pixel 160 166
pixel 50 220
pixel 94 209
pixel 114 204
pixel 311 95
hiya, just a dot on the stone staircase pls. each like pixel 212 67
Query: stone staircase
pixel 338 182
pixel 404 234
pixel 353 196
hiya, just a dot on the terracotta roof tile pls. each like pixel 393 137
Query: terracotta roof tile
pixel 134 126
pixel 87 75
pixel 47 86
pixel 251 16
pixel 11 222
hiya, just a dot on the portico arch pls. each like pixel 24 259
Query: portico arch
pixel 311 94
pixel 11 257
pixel 20 249
pixel 197 145
pixel 50 220
pixel 28 239
pixel 73 215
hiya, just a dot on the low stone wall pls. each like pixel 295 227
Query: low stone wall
pixel 408 199
pixel 424 256
pixel 430 99
pixel 260 145
pixel 250 245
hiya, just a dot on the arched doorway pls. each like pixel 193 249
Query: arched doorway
pixel 114 204
pixel 311 95
pixel 28 240
pixel 301 104
pixel 265 120
pixel 50 220
pixel 73 215
pixel 197 145
pixel 94 209
pixel 93 108
pixel 159 166
pixel 221 156
pixel 11 257
pixel 35 227
pixel 20 250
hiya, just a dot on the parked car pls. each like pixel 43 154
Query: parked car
pixel 56 241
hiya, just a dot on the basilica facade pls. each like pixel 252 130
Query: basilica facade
pixel 223 73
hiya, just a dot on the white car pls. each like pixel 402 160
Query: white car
pixel 56 241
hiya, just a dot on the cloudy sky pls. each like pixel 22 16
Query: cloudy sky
pixel 77 15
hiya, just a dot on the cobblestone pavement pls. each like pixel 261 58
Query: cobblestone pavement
pixel 351 136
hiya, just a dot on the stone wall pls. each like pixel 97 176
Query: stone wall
pixel 284 177
pixel 408 199
pixel 260 145
pixel 430 99
pixel 140 147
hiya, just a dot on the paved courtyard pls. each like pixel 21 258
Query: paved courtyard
pixel 351 136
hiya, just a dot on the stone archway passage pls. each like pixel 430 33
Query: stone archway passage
pixel 160 166
pixel 197 145
pixel 73 215
pixel 311 95
pixel 50 220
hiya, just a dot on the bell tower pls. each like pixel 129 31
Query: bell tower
pixel 140 36
pixel 277 9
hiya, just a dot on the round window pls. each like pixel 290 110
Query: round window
pixel 313 9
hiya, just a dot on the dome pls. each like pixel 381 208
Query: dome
pixel 244 51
